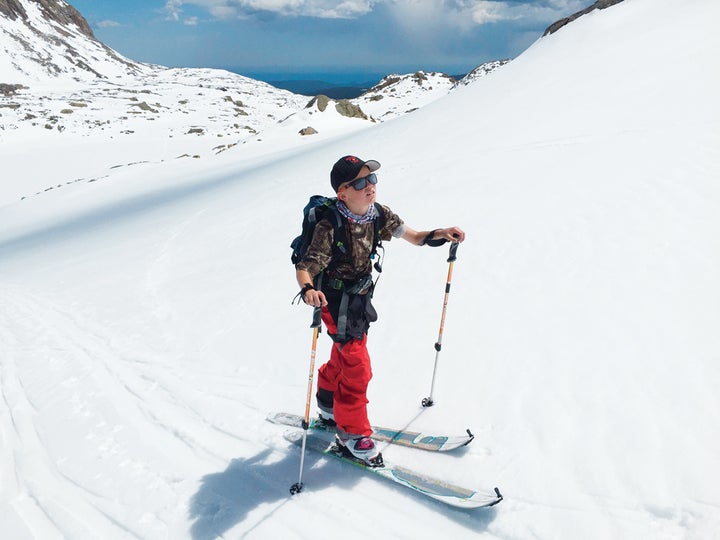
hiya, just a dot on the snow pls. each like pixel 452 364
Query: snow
pixel 397 95
pixel 37 49
pixel 146 328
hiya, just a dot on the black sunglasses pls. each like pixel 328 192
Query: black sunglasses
pixel 361 183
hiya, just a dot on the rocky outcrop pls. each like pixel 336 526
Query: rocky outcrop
pixel 349 109
pixel 344 107
pixel 600 4
pixel 320 101
pixel 12 9
pixel 57 42
pixel 11 89
pixel 56 11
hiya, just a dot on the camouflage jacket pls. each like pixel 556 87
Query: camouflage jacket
pixel 360 239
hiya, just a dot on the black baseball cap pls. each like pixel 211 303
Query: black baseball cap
pixel 347 168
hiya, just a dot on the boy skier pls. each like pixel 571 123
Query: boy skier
pixel 336 274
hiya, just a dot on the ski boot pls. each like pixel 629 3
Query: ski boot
pixel 362 450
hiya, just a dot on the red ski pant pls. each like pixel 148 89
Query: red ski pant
pixel 347 375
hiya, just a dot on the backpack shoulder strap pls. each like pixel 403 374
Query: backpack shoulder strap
pixel 382 218
pixel 379 224
pixel 333 215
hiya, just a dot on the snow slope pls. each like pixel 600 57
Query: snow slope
pixel 60 88
pixel 146 327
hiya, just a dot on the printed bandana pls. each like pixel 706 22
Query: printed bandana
pixel 369 216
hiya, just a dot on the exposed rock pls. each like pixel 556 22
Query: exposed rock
pixel 11 89
pixel 12 9
pixel 308 131
pixel 600 4
pixel 53 10
pixel 321 101
pixel 69 47
pixel 349 109
pixel 344 107
pixel 387 81
pixel 144 106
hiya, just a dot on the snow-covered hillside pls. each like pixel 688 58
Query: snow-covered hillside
pixel 146 327
pixel 396 95
pixel 163 115
pixel 55 77
pixel 43 40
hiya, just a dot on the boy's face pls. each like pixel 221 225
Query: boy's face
pixel 356 198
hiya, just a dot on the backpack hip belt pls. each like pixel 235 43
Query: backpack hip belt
pixel 356 286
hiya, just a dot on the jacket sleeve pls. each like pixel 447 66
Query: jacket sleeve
pixel 319 252
pixel 394 226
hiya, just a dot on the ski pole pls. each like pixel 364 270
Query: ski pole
pixel 317 312
pixel 428 401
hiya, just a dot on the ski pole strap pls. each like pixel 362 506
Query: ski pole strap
pixel 429 241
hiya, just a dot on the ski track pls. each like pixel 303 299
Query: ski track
pixel 56 370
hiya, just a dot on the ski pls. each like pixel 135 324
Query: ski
pixel 402 437
pixel 434 488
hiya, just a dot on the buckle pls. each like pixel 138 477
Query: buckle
pixel 336 284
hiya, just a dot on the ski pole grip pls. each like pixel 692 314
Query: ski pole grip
pixel 317 318
pixel 453 251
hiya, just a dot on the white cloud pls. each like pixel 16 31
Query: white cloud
pixel 489 12
pixel 173 8
pixel 468 13
pixel 107 24
pixel 226 9
pixel 408 13
pixel 545 11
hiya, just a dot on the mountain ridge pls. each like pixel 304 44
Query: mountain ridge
pixel 57 78
pixel 57 11
pixel 50 41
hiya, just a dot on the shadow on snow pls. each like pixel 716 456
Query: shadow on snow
pixel 226 498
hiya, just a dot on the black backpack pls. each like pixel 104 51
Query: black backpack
pixel 320 207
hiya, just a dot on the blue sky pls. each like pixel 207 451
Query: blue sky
pixel 339 39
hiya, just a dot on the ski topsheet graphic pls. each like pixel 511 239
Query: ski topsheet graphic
pixel 412 439
pixel 418 482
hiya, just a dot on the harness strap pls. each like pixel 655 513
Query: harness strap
pixel 342 317
pixel 319 280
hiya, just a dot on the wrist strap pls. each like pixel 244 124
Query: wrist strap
pixel 301 294
pixel 429 241
pixel 306 288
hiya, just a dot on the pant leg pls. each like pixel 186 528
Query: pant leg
pixel 328 375
pixel 347 375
